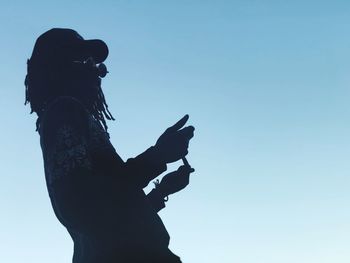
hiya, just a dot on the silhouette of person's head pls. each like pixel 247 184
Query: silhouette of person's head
pixel 64 64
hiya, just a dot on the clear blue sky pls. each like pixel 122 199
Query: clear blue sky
pixel 267 86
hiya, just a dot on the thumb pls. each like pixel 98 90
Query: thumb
pixel 184 169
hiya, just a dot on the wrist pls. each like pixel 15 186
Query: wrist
pixel 160 156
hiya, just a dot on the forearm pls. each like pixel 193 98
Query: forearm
pixel 137 171
pixel 145 167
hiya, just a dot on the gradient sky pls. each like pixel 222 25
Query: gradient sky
pixel 266 84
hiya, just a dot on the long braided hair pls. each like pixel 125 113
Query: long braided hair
pixel 45 83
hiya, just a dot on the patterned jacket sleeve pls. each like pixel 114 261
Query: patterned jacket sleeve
pixel 81 199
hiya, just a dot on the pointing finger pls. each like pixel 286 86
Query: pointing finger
pixel 179 124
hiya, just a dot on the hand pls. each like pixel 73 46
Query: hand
pixel 175 181
pixel 172 145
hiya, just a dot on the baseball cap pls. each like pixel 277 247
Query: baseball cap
pixel 64 44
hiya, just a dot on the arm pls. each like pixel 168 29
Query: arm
pixel 135 172
pixel 145 167
pixel 93 204
pixel 171 146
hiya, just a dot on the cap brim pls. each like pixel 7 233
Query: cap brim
pixel 95 48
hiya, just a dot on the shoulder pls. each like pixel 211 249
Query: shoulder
pixel 66 105
pixel 65 111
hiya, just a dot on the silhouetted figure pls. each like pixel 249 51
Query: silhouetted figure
pixel 97 196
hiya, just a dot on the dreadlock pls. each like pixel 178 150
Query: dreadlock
pixel 99 108
pixel 44 84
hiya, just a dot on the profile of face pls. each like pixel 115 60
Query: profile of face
pixel 79 78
